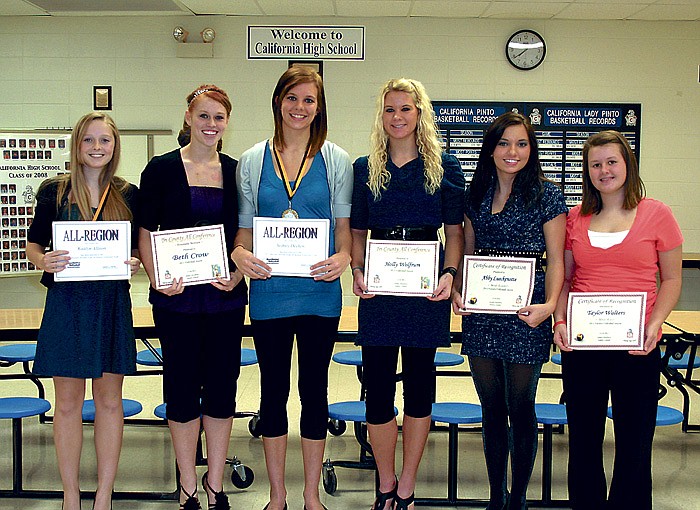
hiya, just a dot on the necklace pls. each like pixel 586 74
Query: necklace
pixel 290 213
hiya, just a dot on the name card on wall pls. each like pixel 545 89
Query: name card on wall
pixel 302 41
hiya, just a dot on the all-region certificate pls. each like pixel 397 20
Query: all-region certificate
pixel 497 284
pixel 606 321
pixel 401 268
pixel 97 249
pixel 197 255
pixel 291 246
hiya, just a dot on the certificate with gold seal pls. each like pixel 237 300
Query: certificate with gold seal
pixel 606 321
pixel 197 255
pixel 401 268
pixel 291 246
pixel 497 284
pixel 97 249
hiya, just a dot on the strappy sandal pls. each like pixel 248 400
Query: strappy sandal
pixel 384 497
pixel 401 503
pixel 220 498
pixel 191 503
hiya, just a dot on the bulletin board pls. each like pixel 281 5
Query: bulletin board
pixel 28 159
pixel 561 128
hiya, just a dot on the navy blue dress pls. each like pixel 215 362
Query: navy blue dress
pixel 87 327
pixel 505 336
pixel 397 320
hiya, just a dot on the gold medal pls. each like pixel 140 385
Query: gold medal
pixel 290 214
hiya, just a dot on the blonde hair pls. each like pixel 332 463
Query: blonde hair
pixel 115 207
pixel 427 138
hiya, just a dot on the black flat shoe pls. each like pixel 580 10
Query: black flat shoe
pixel 220 498
pixel 324 507
pixel 384 497
pixel 401 503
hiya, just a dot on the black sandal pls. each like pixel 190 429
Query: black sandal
pixel 191 503
pixel 383 497
pixel 401 503
pixel 220 498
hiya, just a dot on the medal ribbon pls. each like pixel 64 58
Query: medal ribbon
pixel 102 201
pixel 304 164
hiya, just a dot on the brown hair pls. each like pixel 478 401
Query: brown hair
pixel 633 187
pixel 207 90
pixel 115 207
pixel 292 77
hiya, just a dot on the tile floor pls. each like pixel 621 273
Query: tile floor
pixel 147 461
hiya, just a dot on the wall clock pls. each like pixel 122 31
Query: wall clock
pixel 525 49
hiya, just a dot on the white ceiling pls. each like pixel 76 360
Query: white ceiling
pixel 648 10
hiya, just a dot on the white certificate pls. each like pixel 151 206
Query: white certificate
pixel 197 255
pixel 606 321
pixel 97 249
pixel 497 284
pixel 291 246
pixel 401 268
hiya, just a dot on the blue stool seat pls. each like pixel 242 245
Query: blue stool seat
pixel 447 359
pixel 442 359
pixel 664 415
pixel 22 407
pixel 353 358
pixel 551 414
pixel 456 412
pixel 248 357
pixel 352 410
pixel 16 408
pixel 131 407
pixel 681 364
pixel 548 415
pixel 159 411
pixel 147 358
pixel 18 353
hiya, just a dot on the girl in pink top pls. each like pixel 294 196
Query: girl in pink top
pixel 616 241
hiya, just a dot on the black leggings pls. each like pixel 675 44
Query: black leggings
pixel 201 362
pixel 274 339
pixel 507 394
pixel 379 377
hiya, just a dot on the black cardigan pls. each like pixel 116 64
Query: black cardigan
pixel 164 197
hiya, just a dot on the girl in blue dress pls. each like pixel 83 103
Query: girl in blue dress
pixel 406 189
pixel 87 330
pixel 512 210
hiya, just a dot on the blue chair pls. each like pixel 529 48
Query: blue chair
pixel 664 415
pixel 148 358
pixel 131 407
pixel 548 415
pixel 454 414
pixel 16 408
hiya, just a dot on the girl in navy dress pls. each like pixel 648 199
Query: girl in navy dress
pixel 406 189
pixel 87 330
pixel 512 210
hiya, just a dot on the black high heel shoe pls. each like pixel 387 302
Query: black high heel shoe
pixel 384 497
pixel 220 498
pixel 191 503
pixel 401 503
